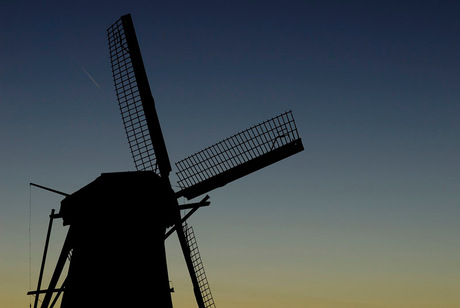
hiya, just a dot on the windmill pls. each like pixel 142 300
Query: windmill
pixel 118 223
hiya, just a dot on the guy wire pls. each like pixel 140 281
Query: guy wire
pixel 30 243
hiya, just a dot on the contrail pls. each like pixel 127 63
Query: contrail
pixel 89 76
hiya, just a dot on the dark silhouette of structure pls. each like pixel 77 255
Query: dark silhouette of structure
pixel 120 221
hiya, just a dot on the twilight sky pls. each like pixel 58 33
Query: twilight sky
pixel 367 216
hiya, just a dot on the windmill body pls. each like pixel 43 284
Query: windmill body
pixel 117 226
pixel 120 221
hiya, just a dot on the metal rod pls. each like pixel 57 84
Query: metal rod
pixel 171 231
pixel 195 207
pixel 44 291
pixel 45 252
pixel 50 189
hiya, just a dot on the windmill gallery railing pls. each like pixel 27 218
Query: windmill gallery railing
pixel 238 155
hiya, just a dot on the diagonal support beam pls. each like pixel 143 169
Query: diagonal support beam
pixel 45 252
pixel 68 244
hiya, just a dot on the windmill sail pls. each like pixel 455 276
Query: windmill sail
pixel 203 285
pixel 238 155
pixel 135 99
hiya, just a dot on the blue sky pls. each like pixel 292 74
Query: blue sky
pixel 370 205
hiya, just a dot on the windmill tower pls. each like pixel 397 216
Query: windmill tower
pixel 118 223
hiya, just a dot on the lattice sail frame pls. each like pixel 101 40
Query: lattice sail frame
pixel 239 155
pixel 129 100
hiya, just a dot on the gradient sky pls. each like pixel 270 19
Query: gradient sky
pixel 367 216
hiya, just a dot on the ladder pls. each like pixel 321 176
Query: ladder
pixel 198 267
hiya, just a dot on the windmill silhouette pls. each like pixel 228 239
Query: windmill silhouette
pixel 118 223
